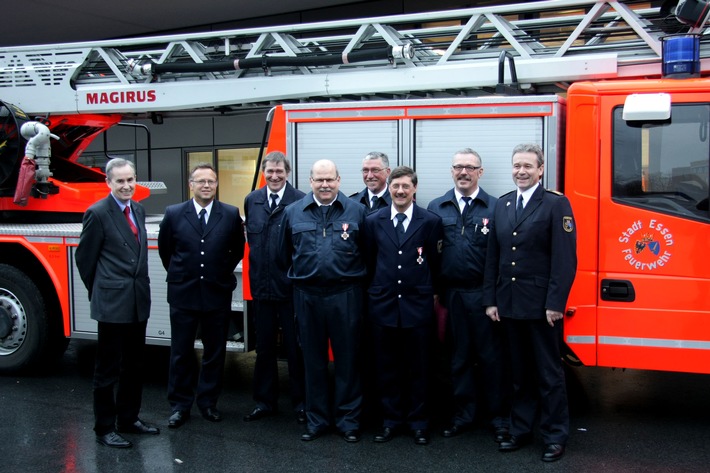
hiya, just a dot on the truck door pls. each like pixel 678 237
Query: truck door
pixel 654 231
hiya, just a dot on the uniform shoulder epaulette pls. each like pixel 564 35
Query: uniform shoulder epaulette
pixel 508 193
pixel 554 191
pixel 353 195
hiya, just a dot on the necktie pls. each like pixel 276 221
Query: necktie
pixel 134 229
pixel 399 228
pixel 519 208
pixel 203 223
pixel 273 201
pixel 373 202
pixel 466 207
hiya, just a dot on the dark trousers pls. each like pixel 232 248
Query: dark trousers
pixel 402 358
pixel 538 379
pixel 269 316
pixel 118 376
pixel 479 361
pixel 324 316
pixel 187 383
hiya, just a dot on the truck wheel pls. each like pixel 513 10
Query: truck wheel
pixel 24 323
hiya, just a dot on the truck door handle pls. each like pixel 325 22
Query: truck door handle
pixel 618 290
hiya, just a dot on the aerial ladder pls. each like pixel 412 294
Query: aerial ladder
pixel 546 45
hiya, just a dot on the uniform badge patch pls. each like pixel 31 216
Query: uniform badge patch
pixel 568 224
pixel 439 246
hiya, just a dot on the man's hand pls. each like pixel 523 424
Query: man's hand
pixel 492 312
pixel 552 316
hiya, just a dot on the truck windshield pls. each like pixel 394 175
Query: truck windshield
pixel 663 166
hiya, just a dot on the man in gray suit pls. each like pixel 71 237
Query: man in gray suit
pixel 112 258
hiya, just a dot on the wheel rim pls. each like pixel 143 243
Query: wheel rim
pixel 13 326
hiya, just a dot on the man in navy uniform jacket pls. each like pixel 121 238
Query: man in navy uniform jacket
pixel 271 290
pixel 530 266
pixel 403 243
pixel 200 243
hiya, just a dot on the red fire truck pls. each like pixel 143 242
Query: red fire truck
pixel 629 147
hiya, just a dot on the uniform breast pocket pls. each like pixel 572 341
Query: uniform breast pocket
pixel 303 235
pixel 451 230
pixel 345 235
pixel 254 230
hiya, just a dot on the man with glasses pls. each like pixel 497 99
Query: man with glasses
pixel 375 171
pixel 200 243
pixel 321 245
pixel 478 367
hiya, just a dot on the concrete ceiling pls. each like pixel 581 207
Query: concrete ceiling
pixel 28 22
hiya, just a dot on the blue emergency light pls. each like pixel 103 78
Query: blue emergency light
pixel 681 55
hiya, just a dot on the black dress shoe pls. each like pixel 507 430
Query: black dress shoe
pixel 178 418
pixel 385 435
pixel 453 430
pixel 112 439
pixel 352 436
pixel 500 434
pixel 312 435
pixel 301 417
pixel 553 452
pixel 212 414
pixel 257 413
pixel 138 427
pixel 513 443
pixel 421 437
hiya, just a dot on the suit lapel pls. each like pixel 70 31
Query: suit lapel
pixel 388 226
pixel 119 219
pixel 414 225
pixel 190 215
pixel 533 203
pixel 215 217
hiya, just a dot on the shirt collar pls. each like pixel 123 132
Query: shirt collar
pixel 408 212
pixel 459 195
pixel 198 207
pixel 370 194
pixel 527 194
pixel 279 193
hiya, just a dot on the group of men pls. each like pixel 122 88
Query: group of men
pixel 333 274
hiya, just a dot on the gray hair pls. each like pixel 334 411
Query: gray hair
pixel 378 155
pixel 118 163
pixel 470 151
pixel 530 148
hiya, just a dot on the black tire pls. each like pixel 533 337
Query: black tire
pixel 26 340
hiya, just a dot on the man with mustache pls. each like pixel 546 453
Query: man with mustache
pixel 403 261
pixel 478 368
pixel 321 245
pixel 375 171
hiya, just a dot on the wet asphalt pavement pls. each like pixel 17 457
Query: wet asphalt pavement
pixel 622 421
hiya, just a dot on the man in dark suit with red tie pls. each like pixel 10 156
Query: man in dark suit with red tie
pixel 402 249
pixel 272 291
pixel 112 259
pixel 200 243
pixel 530 266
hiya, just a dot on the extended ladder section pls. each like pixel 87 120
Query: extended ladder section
pixel 548 44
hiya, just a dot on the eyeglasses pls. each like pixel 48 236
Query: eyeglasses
pixel 203 182
pixel 459 168
pixel 366 171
